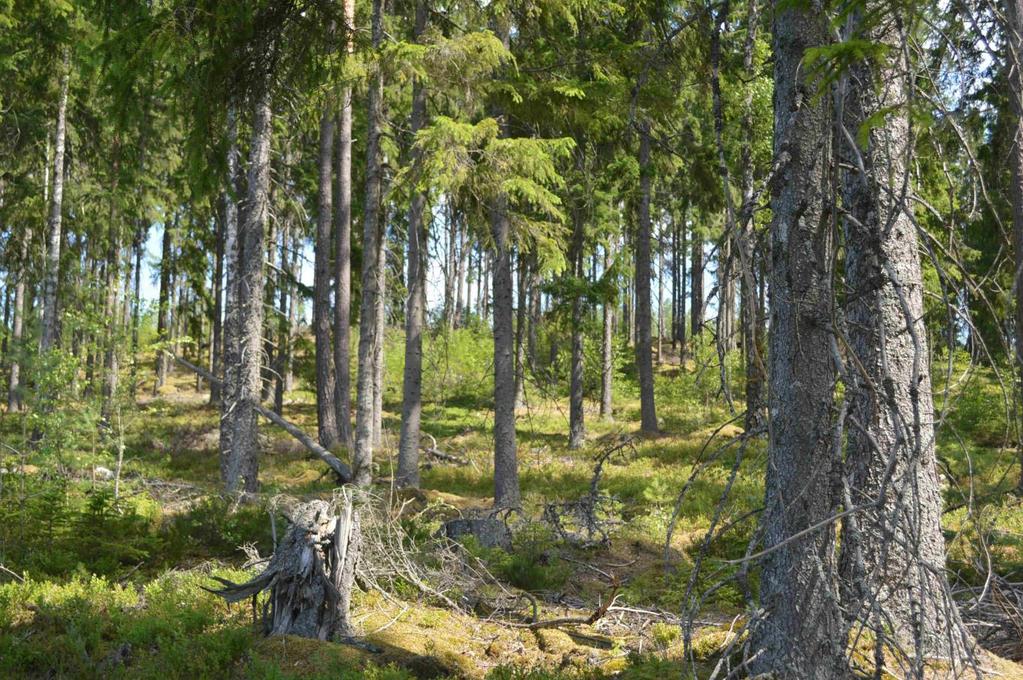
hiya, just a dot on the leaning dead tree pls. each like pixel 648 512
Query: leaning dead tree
pixel 340 469
pixel 311 573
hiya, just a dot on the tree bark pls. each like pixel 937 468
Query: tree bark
pixel 506 470
pixel 110 305
pixel 415 313
pixel 326 390
pixel 696 284
pixel 343 251
pixel 362 459
pixel 378 347
pixel 240 464
pixel 576 414
pixel 893 552
pixel 51 270
pixel 521 277
pixel 644 360
pixel 801 633
pixel 232 319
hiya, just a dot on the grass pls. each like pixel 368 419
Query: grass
pixel 114 588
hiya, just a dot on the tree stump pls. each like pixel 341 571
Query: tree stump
pixel 311 573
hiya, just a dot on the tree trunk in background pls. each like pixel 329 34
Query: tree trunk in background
pixel 269 358
pixel 14 347
pixel 696 284
pixel 378 348
pixel 726 266
pixel 801 633
pixel 163 318
pixel 110 305
pixel 326 391
pixel 452 284
pixel 294 267
pixel 521 277
pixel 284 320
pixel 607 349
pixel 893 553
pixel 240 465
pixel 752 312
pixel 343 251
pixel 644 360
pixel 138 246
pixel 461 300
pixel 660 297
pixel 362 460
pixel 576 415
pixel 232 318
pixel 1013 11
pixel 415 313
pixel 217 353
pixel 51 270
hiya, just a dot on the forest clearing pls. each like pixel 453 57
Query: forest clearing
pixel 511 339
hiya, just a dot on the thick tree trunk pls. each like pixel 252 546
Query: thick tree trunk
pixel 362 459
pixel 607 349
pixel 51 270
pixel 506 469
pixel 415 313
pixel 644 360
pixel 326 390
pixel 801 633
pixel 893 552
pixel 343 251
pixel 232 319
pixel 240 463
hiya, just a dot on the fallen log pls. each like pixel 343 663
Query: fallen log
pixel 341 470
pixel 311 573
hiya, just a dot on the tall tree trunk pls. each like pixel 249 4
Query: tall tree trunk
pixel 163 315
pixel 660 297
pixel 801 633
pixel 240 465
pixel 269 358
pixel 343 251
pixel 644 360
pixel 607 348
pixel 752 312
pixel 452 284
pixel 506 467
pixel 576 415
pixel 1013 12
pixel 326 390
pixel 362 461
pixel 893 552
pixel 284 294
pixel 51 270
pixel 415 314
pixel 15 348
pixel 232 318
pixel 696 284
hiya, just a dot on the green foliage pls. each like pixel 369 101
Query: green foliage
pixel 533 563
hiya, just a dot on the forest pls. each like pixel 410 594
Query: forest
pixel 511 339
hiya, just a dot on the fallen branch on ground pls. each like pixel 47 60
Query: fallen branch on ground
pixel 341 470
pixel 434 452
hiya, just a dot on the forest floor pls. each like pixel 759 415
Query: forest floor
pixel 100 587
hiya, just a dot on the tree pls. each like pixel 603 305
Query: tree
pixel 326 409
pixel 415 314
pixel 362 459
pixel 893 552
pixel 644 356
pixel 801 633
pixel 51 274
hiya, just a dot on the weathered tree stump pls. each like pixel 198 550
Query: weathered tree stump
pixel 311 573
